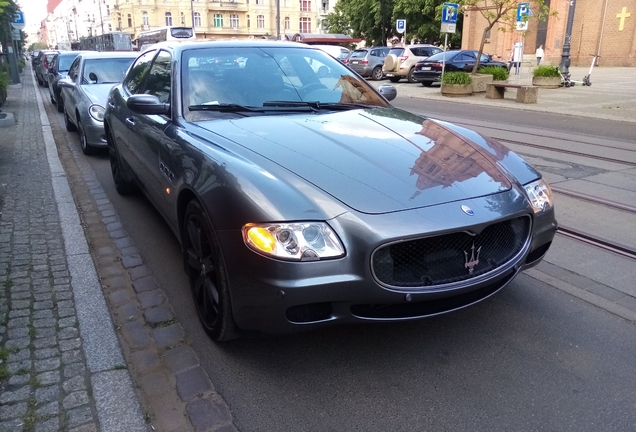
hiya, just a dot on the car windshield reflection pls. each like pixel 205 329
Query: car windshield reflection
pixel 270 79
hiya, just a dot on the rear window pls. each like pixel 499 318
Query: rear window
pixel 359 54
pixel 440 56
pixel 64 62
pixel 397 51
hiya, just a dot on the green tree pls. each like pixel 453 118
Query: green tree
pixel 500 11
pixel 370 20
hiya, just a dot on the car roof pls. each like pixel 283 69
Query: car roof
pixel 234 43
pixel 108 54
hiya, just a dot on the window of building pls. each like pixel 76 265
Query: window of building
pixel 119 23
pixel 107 10
pixel 144 18
pixel 260 21
pixel 287 3
pixel 305 5
pixel 129 17
pixel 168 19
pixel 248 21
pixel 182 19
pixel 287 23
pixel 197 19
pixel 305 25
pixel 234 21
pixel 218 20
pixel 110 27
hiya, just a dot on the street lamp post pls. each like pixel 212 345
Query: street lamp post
pixel 101 20
pixel 565 56
pixel 192 11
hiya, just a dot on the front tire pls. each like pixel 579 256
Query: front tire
pixel 122 186
pixel 68 124
pixel 60 104
pixel 207 274
pixel 86 148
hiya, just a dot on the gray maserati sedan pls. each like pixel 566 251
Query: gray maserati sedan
pixel 302 198
pixel 84 92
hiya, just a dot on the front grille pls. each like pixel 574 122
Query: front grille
pixel 450 258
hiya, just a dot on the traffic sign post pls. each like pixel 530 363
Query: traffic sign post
pixel 449 24
pixel 17 24
pixel 523 12
pixel 400 26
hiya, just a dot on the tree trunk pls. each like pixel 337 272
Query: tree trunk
pixel 481 48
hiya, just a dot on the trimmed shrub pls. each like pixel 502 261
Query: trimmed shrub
pixel 457 78
pixel 546 71
pixel 498 73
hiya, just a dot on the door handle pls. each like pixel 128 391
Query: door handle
pixel 110 104
pixel 130 121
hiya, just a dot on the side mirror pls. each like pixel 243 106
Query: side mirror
pixel 147 104
pixel 388 91
pixel 66 83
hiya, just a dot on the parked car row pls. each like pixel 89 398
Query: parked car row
pixel 300 196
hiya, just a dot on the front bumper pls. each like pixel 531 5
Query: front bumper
pixel 278 297
pixel 95 134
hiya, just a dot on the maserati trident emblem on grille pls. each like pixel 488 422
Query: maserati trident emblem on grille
pixel 472 262
pixel 468 210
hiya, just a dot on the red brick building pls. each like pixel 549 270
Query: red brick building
pixel 607 27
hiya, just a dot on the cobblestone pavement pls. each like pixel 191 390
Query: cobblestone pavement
pixel 52 376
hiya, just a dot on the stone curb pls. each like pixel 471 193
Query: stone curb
pixel 116 402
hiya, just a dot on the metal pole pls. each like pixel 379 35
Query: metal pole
pixel 101 20
pixel 565 56
pixel 444 59
pixel 277 19
pixel 192 12
pixel 600 38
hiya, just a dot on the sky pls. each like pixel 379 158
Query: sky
pixel 34 13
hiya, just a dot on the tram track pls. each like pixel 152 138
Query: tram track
pixel 626 251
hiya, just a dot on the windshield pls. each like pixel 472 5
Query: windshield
pixel 359 54
pixel 216 80
pixel 105 70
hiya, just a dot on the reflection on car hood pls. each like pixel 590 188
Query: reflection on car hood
pixel 97 93
pixel 374 161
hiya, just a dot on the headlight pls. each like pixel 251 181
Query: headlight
pixel 540 195
pixel 302 241
pixel 97 112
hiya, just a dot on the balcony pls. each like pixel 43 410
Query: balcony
pixel 225 31
pixel 228 5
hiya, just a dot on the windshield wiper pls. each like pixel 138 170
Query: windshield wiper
pixel 222 107
pixel 316 105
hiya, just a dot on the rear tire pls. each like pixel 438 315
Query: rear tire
pixel 376 74
pixel 67 122
pixel 427 83
pixel 60 104
pixel 207 274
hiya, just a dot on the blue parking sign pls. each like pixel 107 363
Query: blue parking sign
pixel 449 13
pixel 523 9
pixel 400 25
pixel 19 18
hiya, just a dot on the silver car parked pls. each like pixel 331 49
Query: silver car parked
pixel 85 92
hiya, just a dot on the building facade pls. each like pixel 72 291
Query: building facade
pixel 211 18
pixel 604 27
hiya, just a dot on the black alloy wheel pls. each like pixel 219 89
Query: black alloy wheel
pixel 376 74
pixel 86 148
pixel 68 123
pixel 122 186
pixel 206 272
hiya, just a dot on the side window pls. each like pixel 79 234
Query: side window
pixel 465 57
pixel 158 83
pixel 73 70
pixel 138 72
pixel 53 67
pixel 374 53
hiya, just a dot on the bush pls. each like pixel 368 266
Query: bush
pixel 21 63
pixel 4 82
pixel 546 71
pixel 498 73
pixel 457 78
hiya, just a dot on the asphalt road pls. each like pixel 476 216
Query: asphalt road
pixel 530 358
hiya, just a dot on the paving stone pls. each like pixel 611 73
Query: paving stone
pixel 150 298
pixel 128 251
pixel 48 332
pixel 45 322
pixel 89 427
pixel 20 295
pixel 23 354
pixel 68 344
pixel 181 358
pixel 192 382
pixel 48 409
pixel 18 395
pixel 127 313
pixel 138 272
pixel 19 313
pixel 17 367
pixel 21 304
pixel 18 332
pixel 19 322
pixel 47 394
pixel 43 296
pixel 75 399
pixel 146 360
pixel 168 336
pixel 146 283
pixel 47 364
pixel 74 369
pixel 67 322
pixel 65 312
pixel 19 343
pixel 79 416
pixel 135 334
pixel 71 356
pixel 65 304
pixel 49 425
pixel 11 425
pixel 47 378
pixel 119 297
pixel 46 313
pixel 158 314
pixel 64 295
pixel 156 383
pixel 68 333
pixel 207 414
pixel 19 380
pixel 13 411
pixel 74 384
pixel 43 305
pixel 45 342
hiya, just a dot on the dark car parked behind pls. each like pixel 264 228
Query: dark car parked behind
pixel 430 70
pixel 367 62
pixel 57 70
pixel 42 64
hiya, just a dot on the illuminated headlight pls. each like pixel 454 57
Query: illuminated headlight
pixel 97 112
pixel 540 195
pixel 302 241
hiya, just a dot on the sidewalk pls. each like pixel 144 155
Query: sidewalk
pixel 612 95
pixel 61 364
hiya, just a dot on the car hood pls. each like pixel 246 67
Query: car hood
pixel 97 93
pixel 374 161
